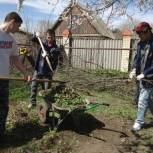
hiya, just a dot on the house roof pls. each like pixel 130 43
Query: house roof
pixel 94 20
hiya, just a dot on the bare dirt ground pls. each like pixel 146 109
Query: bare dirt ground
pixel 95 133
pixel 106 139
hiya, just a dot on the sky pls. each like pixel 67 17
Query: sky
pixel 34 11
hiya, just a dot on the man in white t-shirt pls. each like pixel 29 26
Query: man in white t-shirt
pixel 8 51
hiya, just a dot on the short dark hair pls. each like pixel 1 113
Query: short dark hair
pixel 51 32
pixel 13 15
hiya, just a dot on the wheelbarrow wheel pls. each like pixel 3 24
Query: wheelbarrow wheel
pixel 43 112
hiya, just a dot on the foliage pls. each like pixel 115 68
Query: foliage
pixel 113 8
pixel 64 96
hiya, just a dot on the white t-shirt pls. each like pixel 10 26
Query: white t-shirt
pixel 8 48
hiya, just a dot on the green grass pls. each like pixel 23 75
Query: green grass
pixel 107 73
pixel 119 107
pixel 19 91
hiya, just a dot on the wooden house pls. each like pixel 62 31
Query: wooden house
pixel 92 44
pixel 81 22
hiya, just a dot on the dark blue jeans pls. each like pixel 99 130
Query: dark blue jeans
pixel 34 86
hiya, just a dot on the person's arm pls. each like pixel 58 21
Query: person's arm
pixel 148 71
pixel 134 66
pixel 134 61
pixel 37 60
pixel 54 58
pixel 19 65
pixel 56 64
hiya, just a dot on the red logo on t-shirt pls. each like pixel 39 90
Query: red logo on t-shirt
pixel 6 44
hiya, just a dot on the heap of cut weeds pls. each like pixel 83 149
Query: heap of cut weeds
pixel 65 96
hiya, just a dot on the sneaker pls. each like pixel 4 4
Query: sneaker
pixel 136 127
pixel 31 105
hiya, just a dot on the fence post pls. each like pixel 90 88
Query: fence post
pixel 67 43
pixel 127 35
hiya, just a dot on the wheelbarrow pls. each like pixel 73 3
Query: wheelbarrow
pixel 45 109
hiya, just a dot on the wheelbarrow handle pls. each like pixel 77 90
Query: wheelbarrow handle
pixel 94 105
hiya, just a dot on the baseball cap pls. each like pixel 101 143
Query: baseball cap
pixel 142 27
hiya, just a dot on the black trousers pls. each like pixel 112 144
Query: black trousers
pixel 4 104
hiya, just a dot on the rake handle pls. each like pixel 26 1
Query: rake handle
pixel 38 80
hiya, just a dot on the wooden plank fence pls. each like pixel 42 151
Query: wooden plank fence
pixel 97 53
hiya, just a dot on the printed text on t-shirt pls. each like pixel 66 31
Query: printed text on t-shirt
pixel 6 44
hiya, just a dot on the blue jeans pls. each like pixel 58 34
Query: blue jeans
pixel 34 86
pixel 144 103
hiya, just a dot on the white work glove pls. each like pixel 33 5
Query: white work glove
pixel 141 76
pixel 37 34
pixel 132 74
pixel 44 54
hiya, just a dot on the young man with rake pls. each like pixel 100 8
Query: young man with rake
pixel 143 71
pixel 8 51
pixel 42 69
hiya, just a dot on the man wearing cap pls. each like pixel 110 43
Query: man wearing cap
pixel 143 72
